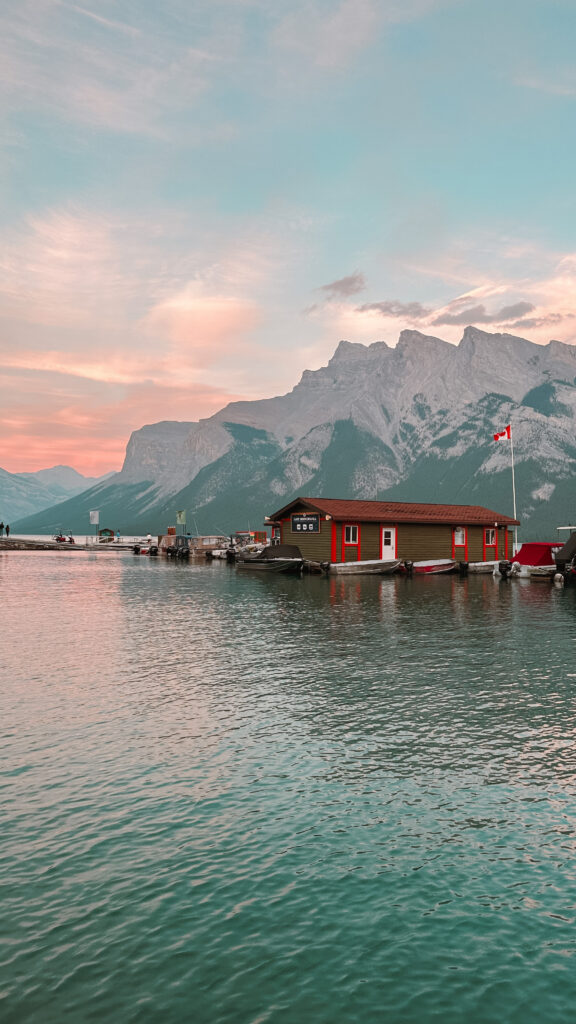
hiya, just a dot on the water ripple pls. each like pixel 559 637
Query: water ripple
pixel 237 800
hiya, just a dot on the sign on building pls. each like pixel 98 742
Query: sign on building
pixel 305 524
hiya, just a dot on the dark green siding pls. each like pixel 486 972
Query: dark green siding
pixel 370 540
pixel 418 541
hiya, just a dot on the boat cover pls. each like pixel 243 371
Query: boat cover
pixel 280 551
pixel 537 553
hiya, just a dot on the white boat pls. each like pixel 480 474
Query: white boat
pixel 482 567
pixel 534 560
pixel 542 572
pixel 374 565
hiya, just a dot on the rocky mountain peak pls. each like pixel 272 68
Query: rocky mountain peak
pixel 412 422
pixel 348 351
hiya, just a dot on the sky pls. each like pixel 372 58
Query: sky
pixel 200 198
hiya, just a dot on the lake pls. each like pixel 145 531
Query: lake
pixel 235 800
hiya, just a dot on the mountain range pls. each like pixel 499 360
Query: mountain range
pixel 413 422
pixel 23 494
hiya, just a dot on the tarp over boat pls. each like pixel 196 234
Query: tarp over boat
pixel 537 553
pixel 271 551
pixel 280 551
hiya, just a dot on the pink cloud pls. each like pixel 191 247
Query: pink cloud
pixel 202 328
pixel 49 419
pixel 67 268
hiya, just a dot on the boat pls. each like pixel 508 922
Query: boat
pixel 379 566
pixel 430 566
pixel 565 560
pixel 276 558
pixel 532 556
pixel 203 546
pixel 487 567
pixel 145 549
pixel 542 572
pixel 219 553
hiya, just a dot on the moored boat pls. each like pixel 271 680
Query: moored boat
pixel 430 566
pixel 277 558
pixel 535 559
pixel 542 572
pixel 379 566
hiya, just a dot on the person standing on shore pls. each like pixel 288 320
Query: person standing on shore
pixel 7 530
pixel 1 529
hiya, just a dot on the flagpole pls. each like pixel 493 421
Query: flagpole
pixel 513 492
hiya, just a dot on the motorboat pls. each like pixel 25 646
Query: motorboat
pixel 484 567
pixel 430 566
pixel 275 558
pixel 379 566
pixel 534 560
pixel 566 561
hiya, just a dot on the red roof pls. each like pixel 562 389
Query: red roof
pixel 399 512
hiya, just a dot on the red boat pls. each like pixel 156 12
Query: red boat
pixel 429 566
pixel 434 565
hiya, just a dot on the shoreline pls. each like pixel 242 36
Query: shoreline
pixel 20 544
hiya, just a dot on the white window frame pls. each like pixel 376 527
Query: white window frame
pixel 350 531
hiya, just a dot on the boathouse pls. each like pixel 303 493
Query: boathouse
pixel 342 530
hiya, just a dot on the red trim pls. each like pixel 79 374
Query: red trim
pixel 490 547
pixel 345 545
pixel 458 547
pixel 334 549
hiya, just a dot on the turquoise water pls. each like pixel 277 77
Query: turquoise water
pixel 238 800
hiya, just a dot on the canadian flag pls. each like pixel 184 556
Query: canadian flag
pixel 503 433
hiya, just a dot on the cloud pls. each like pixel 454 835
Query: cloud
pixel 331 36
pixel 67 267
pixel 558 83
pixel 410 310
pixel 328 37
pixel 479 315
pixel 202 327
pixel 90 422
pixel 543 321
pixel 123 77
pixel 345 286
